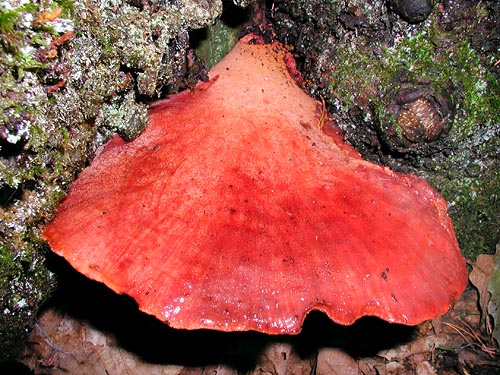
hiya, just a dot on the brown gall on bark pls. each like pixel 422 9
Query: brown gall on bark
pixel 419 116
pixel 412 11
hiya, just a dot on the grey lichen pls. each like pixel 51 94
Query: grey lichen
pixel 123 115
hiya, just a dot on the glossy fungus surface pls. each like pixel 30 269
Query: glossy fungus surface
pixel 241 208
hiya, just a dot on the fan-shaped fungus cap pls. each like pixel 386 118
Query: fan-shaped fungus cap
pixel 235 211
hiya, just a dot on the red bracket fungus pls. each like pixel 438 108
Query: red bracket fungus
pixel 235 211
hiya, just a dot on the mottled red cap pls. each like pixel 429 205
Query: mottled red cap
pixel 241 208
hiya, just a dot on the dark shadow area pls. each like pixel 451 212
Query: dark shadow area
pixel 155 342
pixel 365 338
pixel 9 195
pixel 9 150
pixel 14 368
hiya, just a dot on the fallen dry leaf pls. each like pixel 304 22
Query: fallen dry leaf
pixel 494 289
pixel 422 345
pixel 425 368
pixel 369 366
pixel 479 277
pixel 281 359
pixel 333 361
pixel 63 345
